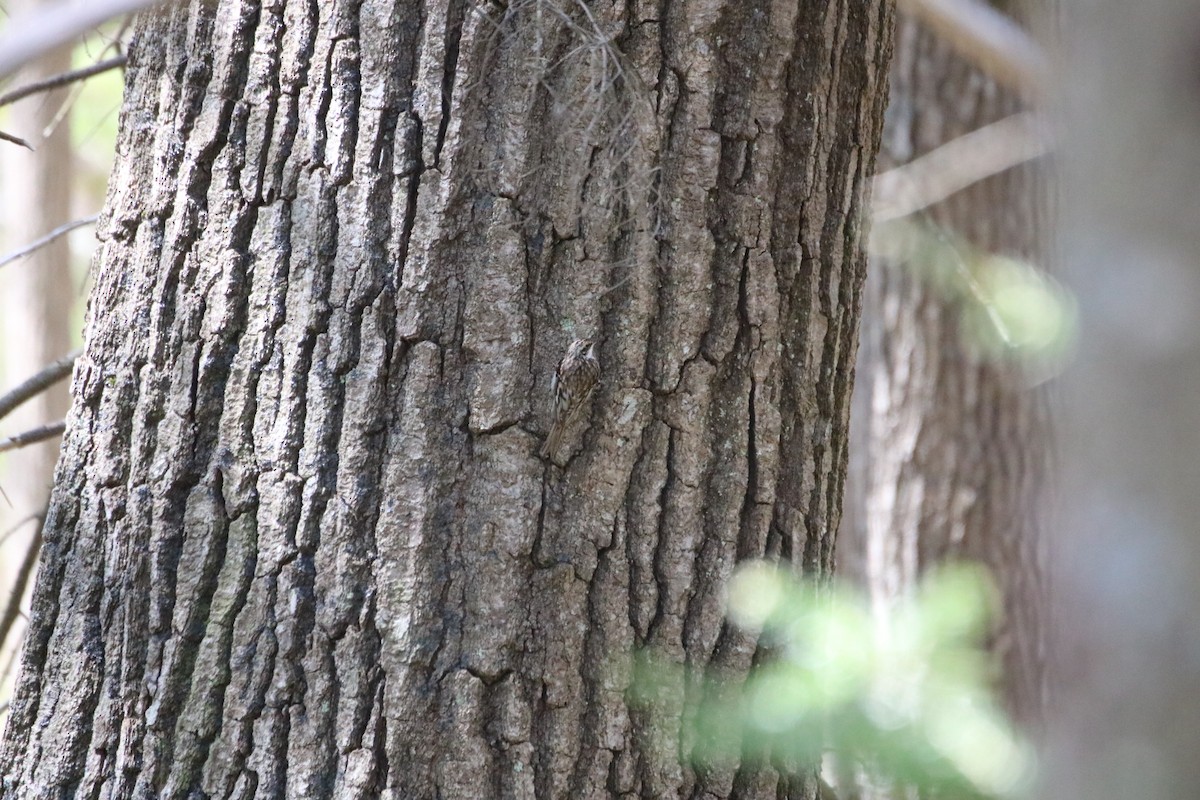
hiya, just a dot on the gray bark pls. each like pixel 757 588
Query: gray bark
pixel 301 543
pixel 951 449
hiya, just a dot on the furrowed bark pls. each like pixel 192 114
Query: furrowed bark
pixel 301 543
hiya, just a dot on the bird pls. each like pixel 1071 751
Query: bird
pixel 574 379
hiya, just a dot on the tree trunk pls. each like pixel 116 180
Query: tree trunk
pixel 951 453
pixel 301 543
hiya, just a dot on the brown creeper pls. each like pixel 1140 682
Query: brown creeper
pixel 572 383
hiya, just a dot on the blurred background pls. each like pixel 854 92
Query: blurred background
pixel 55 176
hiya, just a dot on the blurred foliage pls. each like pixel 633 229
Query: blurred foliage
pixel 910 698
pixel 1009 308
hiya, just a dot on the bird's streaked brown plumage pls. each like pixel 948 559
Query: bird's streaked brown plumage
pixel 572 384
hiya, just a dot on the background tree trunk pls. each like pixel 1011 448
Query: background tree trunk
pixel 951 453
pixel 300 543
pixel 36 299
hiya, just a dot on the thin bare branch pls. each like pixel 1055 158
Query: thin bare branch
pixel 14 655
pixel 4 536
pixel 8 137
pixel 37 383
pixel 957 164
pixel 33 436
pixel 12 608
pixel 32 34
pixel 63 79
pixel 986 37
pixel 36 244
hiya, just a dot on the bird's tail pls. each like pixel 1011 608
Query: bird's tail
pixel 553 438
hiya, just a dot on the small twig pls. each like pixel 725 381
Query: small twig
pixel 61 230
pixel 8 137
pixel 34 436
pixel 20 581
pixel 14 656
pixel 29 36
pixel 618 284
pixel 986 37
pixel 62 80
pixel 37 383
pixel 956 165
pixel 17 527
